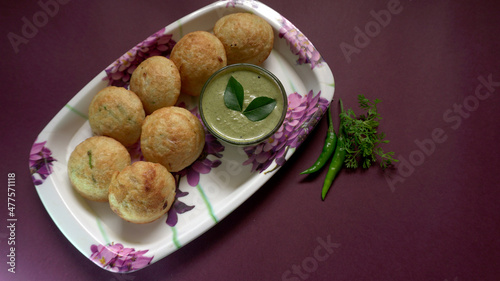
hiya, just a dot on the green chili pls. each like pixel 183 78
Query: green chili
pixel 328 147
pixel 335 166
pixel 338 158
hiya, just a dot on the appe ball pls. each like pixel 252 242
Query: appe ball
pixel 157 82
pixel 93 162
pixel 142 192
pixel 197 56
pixel 117 113
pixel 247 38
pixel 173 137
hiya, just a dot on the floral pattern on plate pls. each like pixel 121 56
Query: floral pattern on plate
pixel 40 162
pixel 299 44
pixel 302 115
pixel 158 44
pixel 115 257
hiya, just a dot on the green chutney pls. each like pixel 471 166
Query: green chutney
pixel 232 126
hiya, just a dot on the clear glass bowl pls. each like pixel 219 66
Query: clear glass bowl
pixel 230 126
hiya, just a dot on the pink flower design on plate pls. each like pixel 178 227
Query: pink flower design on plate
pixel 117 258
pixel 178 207
pixel 302 115
pixel 40 162
pixel 299 44
pixel 158 44
pixel 233 3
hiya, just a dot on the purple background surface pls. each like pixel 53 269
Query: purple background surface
pixel 435 218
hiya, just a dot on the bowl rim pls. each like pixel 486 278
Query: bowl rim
pixel 258 69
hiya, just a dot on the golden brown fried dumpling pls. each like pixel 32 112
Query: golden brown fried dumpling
pixel 157 82
pixel 173 137
pixel 197 55
pixel 117 113
pixel 247 38
pixel 142 192
pixel 93 162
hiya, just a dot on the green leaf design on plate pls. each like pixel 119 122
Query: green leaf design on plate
pixel 259 108
pixel 233 95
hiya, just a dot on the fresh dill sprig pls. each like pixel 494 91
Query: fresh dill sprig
pixel 362 139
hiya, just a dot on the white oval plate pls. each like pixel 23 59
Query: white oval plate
pixel 220 181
